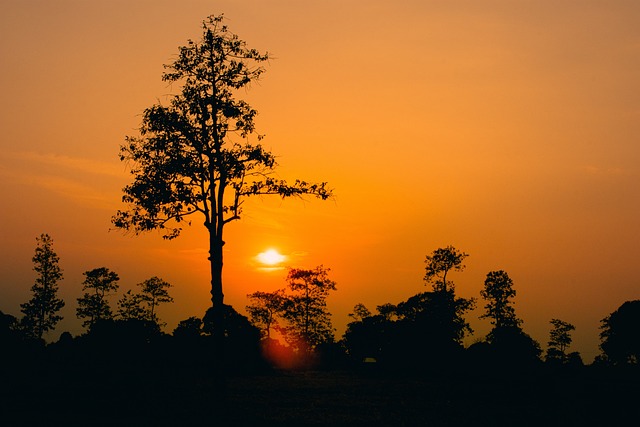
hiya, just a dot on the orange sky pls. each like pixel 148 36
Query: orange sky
pixel 506 128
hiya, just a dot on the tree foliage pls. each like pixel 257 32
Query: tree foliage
pixel 188 329
pixel 308 322
pixel 93 305
pixel 424 331
pixel 41 311
pixel 264 309
pixel 440 314
pixel 360 311
pixel 143 305
pixel 194 155
pixel 559 339
pixel 440 263
pixel 130 307
pixel 153 292
pixel 498 292
pixel 620 336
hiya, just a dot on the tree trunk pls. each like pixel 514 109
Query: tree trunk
pixel 217 299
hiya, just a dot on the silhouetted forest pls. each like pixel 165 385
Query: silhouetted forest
pixel 403 364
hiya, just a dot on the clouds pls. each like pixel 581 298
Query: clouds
pixel 83 181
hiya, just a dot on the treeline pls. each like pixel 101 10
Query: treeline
pixel 41 313
pixel 291 327
pixel 427 330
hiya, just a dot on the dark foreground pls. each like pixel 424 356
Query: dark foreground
pixel 321 398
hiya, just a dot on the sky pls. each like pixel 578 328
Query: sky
pixel 508 129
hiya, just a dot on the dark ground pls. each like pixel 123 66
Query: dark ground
pixel 590 397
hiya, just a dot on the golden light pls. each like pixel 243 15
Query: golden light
pixel 271 257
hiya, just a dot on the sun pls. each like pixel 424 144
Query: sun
pixel 271 257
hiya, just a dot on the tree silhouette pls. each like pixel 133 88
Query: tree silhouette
pixel 498 291
pixel 193 156
pixel 619 334
pixel 305 311
pixel 440 314
pixel 264 309
pixel 559 339
pixel 130 307
pixel 154 291
pixel 369 335
pixel 40 312
pixel 360 311
pixel 93 306
pixel 9 333
pixel 142 305
pixel 438 265
pixel 188 329
pixel 510 344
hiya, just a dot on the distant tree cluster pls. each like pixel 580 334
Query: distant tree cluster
pixel 424 332
pixel 428 328
pixel 299 313
pixel 41 312
pixel 101 282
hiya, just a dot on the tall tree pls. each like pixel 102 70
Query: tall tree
pixel 305 310
pixel 498 291
pixel 93 305
pixel 559 339
pixel 41 311
pixel 440 263
pixel 194 157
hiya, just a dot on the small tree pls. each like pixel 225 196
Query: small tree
pixel 93 305
pixel 498 291
pixel 305 311
pixel 438 265
pixel 142 305
pixel 264 309
pixel 559 339
pixel 512 346
pixel 41 311
pixel 440 312
pixel 360 312
pixel 154 291
pixel 130 307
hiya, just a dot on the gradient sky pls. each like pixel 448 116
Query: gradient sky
pixel 508 129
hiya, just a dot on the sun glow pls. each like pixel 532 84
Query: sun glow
pixel 271 257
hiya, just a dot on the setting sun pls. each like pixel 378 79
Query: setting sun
pixel 271 257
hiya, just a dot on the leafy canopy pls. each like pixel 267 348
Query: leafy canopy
pixel 194 154
pixel 438 265
pixel 93 305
